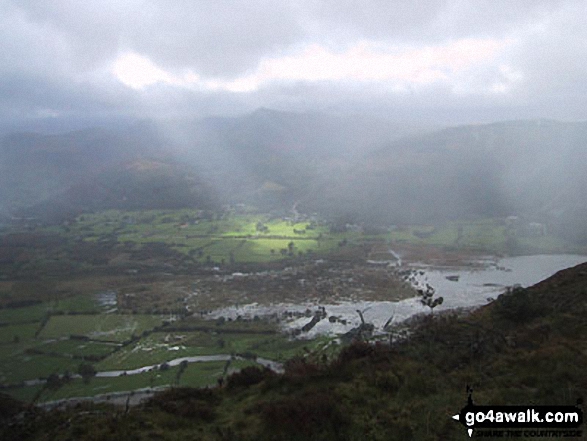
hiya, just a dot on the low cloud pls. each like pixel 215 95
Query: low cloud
pixel 151 57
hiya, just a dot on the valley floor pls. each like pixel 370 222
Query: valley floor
pixel 121 291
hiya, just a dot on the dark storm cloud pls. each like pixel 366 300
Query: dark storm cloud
pixel 56 57
pixel 216 38
pixel 429 21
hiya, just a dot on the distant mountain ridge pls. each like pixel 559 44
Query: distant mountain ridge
pixel 138 185
pixel 531 168
pixel 350 167
pixel 235 155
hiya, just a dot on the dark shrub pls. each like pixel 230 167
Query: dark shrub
pixel 313 415
pixel 300 367
pixel 517 305
pixel 355 351
pixel 248 377
pixel 197 404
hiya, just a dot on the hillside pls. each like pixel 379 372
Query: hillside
pixel 137 185
pixel 357 170
pixel 267 157
pixel 525 347
pixel 524 168
pixel 35 167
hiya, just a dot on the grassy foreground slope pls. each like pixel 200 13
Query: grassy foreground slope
pixel 527 347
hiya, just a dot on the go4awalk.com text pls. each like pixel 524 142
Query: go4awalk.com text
pixel 521 421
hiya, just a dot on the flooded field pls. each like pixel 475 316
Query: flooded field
pixel 462 287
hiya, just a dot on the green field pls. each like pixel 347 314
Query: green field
pixel 105 327
pixel 20 366
pixel 35 341
pixel 195 375
pixel 23 315
pixel 160 347
pixel 24 356
pixel 154 349
pixel 76 348
pixel 27 354
pixel 484 235
pixel 18 333
pixel 79 304
pixel 55 356
pixel 208 238
pixel 104 385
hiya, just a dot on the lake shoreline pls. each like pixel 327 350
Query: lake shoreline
pixel 474 284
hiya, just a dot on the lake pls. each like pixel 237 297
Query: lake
pixel 473 288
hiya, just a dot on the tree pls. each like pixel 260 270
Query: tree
pixel 427 298
pixel 86 371
pixel 53 382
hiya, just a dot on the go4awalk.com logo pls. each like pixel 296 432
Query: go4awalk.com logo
pixel 516 421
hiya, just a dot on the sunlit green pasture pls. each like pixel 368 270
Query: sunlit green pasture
pixel 217 238
pixel 204 234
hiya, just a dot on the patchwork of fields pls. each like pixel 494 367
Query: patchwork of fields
pixel 263 238
pixel 116 290
pixel 229 238
pixel 35 346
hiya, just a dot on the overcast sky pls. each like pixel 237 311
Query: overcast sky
pixel 438 60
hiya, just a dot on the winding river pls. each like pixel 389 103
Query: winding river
pixel 273 365
pixel 277 367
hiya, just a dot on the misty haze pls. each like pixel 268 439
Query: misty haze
pixel 289 220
